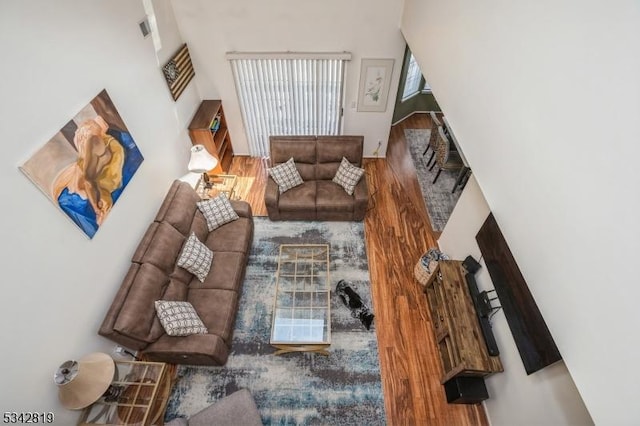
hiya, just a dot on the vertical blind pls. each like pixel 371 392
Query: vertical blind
pixel 301 96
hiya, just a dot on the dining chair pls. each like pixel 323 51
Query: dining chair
pixel 433 137
pixel 446 159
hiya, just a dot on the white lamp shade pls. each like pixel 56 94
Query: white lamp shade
pixel 82 383
pixel 192 179
pixel 201 161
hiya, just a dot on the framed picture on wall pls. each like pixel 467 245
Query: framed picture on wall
pixel 86 165
pixel 375 77
pixel 178 72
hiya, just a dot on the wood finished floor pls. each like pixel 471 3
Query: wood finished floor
pixel 397 232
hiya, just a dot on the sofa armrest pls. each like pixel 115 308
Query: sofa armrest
pixel 271 193
pixel 242 208
pixel 361 199
pixel 271 199
pixel 107 328
pixel 196 349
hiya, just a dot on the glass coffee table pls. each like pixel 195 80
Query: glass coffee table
pixel 302 307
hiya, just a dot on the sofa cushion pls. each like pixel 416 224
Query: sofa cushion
pixel 160 246
pixel 239 408
pixel 179 318
pixel 285 175
pixel 199 226
pixel 179 207
pixel 195 257
pixel 234 236
pixel 137 317
pixel 217 309
pixel 176 290
pixel 331 197
pixel 301 148
pixel 226 272
pixel 327 171
pixel 217 211
pixel 331 149
pixel 348 176
pixel 302 197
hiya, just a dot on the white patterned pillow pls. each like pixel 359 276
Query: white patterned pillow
pixel 179 318
pixel 217 211
pixel 195 257
pixel 348 176
pixel 286 175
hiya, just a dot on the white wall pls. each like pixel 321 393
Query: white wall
pixel 547 397
pixel 544 98
pixel 57 284
pixel 366 28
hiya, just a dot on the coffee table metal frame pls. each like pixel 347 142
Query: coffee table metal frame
pixel 302 306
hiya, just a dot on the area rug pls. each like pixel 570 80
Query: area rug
pixel 343 388
pixel 437 197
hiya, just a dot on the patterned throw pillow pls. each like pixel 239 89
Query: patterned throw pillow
pixel 348 176
pixel 195 257
pixel 286 175
pixel 179 318
pixel 217 211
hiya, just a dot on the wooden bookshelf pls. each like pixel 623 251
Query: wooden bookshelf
pixel 209 128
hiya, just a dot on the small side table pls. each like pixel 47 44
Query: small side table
pixel 138 396
pixel 222 184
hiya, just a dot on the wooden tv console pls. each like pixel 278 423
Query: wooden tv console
pixel 462 348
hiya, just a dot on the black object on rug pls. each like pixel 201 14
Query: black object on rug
pixel 343 388
pixel 437 197
pixel 353 301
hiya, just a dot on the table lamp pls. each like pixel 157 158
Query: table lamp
pixel 83 382
pixel 201 162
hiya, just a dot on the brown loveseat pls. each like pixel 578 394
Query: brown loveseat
pixel 317 159
pixel 132 322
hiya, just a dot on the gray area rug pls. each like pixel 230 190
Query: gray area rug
pixel 437 197
pixel 343 388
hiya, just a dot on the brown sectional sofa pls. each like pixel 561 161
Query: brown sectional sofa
pixel 131 320
pixel 317 159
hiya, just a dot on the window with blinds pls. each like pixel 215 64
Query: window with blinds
pixel 288 96
pixel 412 81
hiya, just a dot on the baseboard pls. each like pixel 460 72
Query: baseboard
pixel 413 112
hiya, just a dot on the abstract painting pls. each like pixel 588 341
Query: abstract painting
pixel 375 76
pixel 84 168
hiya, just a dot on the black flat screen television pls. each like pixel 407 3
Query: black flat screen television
pixel 533 339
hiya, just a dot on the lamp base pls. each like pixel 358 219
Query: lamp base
pixel 206 181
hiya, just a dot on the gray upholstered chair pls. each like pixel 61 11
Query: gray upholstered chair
pixel 446 159
pixel 236 409
pixel 433 137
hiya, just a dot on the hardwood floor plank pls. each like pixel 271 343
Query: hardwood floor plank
pixel 397 232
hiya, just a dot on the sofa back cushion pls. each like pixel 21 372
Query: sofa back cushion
pixel 331 149
pixel 301 148
pixel 179 208
pixel 146 284
pixel 160 247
